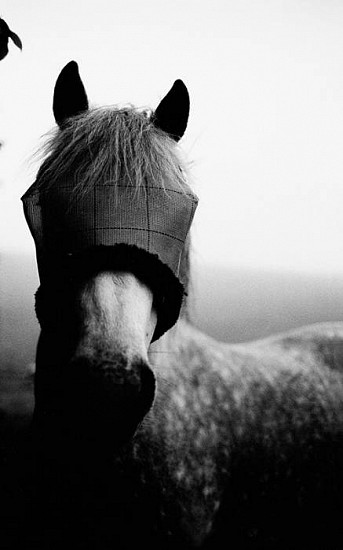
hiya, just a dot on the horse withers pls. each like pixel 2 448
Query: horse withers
pixel 146 431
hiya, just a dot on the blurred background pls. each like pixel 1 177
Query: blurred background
pixel 264 142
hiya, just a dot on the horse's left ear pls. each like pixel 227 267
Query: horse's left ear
pixel 70 97
pixel 171 115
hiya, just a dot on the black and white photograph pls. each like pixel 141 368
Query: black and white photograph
pixel 171 274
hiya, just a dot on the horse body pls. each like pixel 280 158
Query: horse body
pixel 146 431
pixel 242 447
pixel 260 429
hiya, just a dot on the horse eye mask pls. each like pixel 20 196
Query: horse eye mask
pixel 152 218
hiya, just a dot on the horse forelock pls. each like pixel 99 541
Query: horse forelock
pixel 111 145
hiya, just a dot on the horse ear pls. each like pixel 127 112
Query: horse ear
pixel 70 97
pixel 171 115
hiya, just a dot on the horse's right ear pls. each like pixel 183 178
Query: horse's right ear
pixel 70 97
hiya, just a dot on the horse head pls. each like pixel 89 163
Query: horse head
pixel 109 212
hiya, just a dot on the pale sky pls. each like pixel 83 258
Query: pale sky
pixel 265 133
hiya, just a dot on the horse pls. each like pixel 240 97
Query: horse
pixel 146 431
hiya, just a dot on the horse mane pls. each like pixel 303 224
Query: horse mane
pixel 107 145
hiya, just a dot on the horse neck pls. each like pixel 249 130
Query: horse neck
pixel 185 276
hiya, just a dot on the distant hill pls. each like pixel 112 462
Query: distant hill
pixel 233 305
pixel 237 305
pixel 19 328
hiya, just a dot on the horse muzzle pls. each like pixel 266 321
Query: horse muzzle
pixel 96 405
